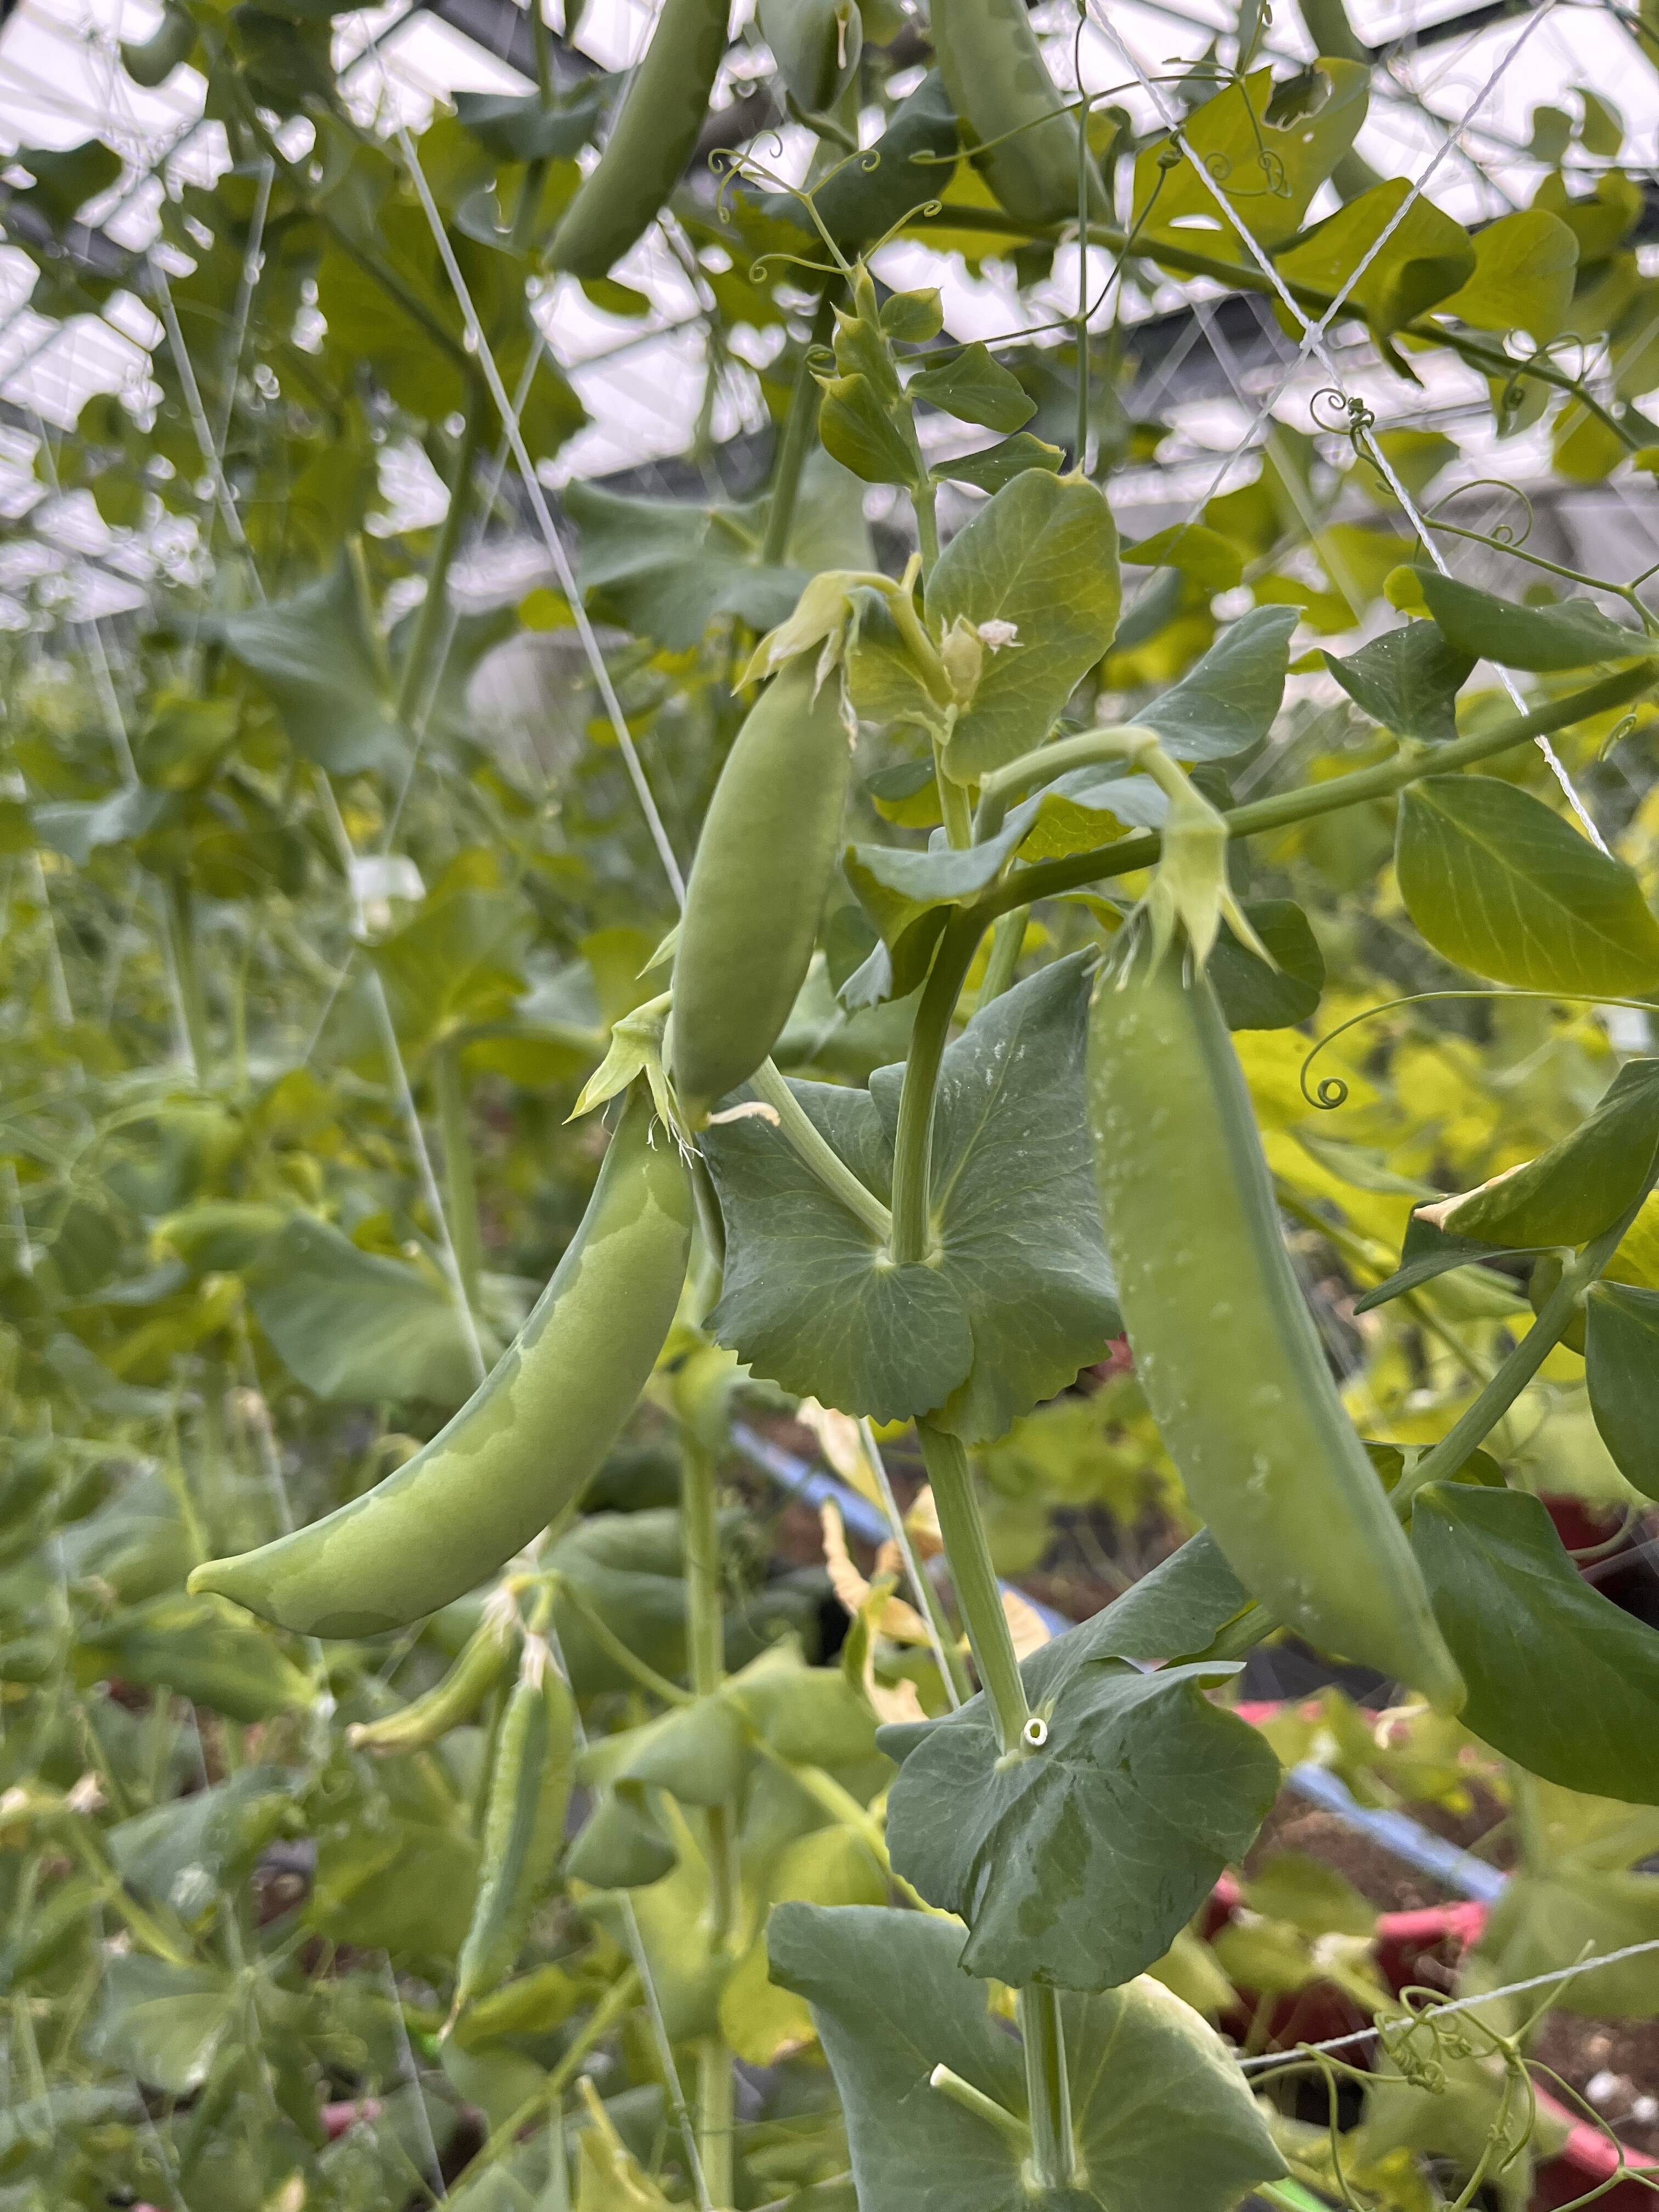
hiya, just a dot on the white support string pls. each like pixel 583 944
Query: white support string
pixel 1471 2003
pixel 478 344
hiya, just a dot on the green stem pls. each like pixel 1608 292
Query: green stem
pixel 622 1654
pixel 800 425
pixel 913 1141
pixel 1121 741
pixel 979 1595
pixel 428 621
pixel 460 1183
pixel 1005 941
pixel 816 1153
pixel 952 804
pixel 949 2083
pixel 705 1651
pixel 182 937
pixel 1307 801
pixel 925 500
pixel 1047 2088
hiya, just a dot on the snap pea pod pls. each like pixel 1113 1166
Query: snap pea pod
pixel 1000 84
pixel 447 1704
pixel 524 1826
pixel 524 1445
pixel 758 884
pixel 651 142
pixel 1224 1346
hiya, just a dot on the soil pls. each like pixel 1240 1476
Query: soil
pixel 1619 2060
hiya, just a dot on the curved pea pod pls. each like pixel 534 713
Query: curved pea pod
pixel 447 1704
pixel 998 83
pixel 816 45
pixel 758 884
pixel 524 1445
pixel 1226 1348
pixel 524 1826
pixel 651 142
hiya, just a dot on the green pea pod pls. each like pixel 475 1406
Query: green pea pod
pixel 653 139
pixel 1226 1348
pixel 816 45
pixel 758 884
pixel 998 83
pixel 447 1704
pixel 524 1445
pixel 524 1826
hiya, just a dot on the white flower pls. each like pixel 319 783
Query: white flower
pixel 996 635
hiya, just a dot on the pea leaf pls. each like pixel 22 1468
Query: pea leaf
pixel 1193 550
pixel 160 2022
pixel 183 1852
pixel 1228 701
pixel 1255 996
pixel 1525 267
pixel 1621 1372
pixel 994 466
pixel 1428 1251
pixel 667 568
pixel 1580 1186
pixel 1268 162
pixel 1574 635
pixel 1041 555
pixel 353 1327
pixel 976 388
pixel 1161 2115
pixel 1078 1863
pixel 1500 884
pixel 1020 1296
pixel 1558 1678
pixel 205 1649
pixel 314 656
pixel 522 127
pixel 1390 265
pixel 864 199
pixel 1407 679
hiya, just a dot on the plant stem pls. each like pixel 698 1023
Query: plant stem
pixel 913 1141
pixel 1047 2088
pixel 182 937
pixel 1005 941
pixel 1008 2125
pixel 816 1153
pixel 799 427
pixel 1307 801
pixel 925 500
pixel 1119 742
pixel 428 621
pixel 953 803
pixel 705 1651
pixel 979 1598
pixel 460 1183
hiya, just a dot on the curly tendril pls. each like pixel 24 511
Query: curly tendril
pixel 1501 533
pixel 1332 1091
pixel 1625 726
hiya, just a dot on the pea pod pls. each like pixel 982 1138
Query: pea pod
pixel 651 142
pixel 1224 1346
pixel 523 1446
pixel 758 884
pixel 1000 84
pixel 524 1826
pixel 447 1704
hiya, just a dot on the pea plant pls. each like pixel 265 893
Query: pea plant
pixel 933 978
